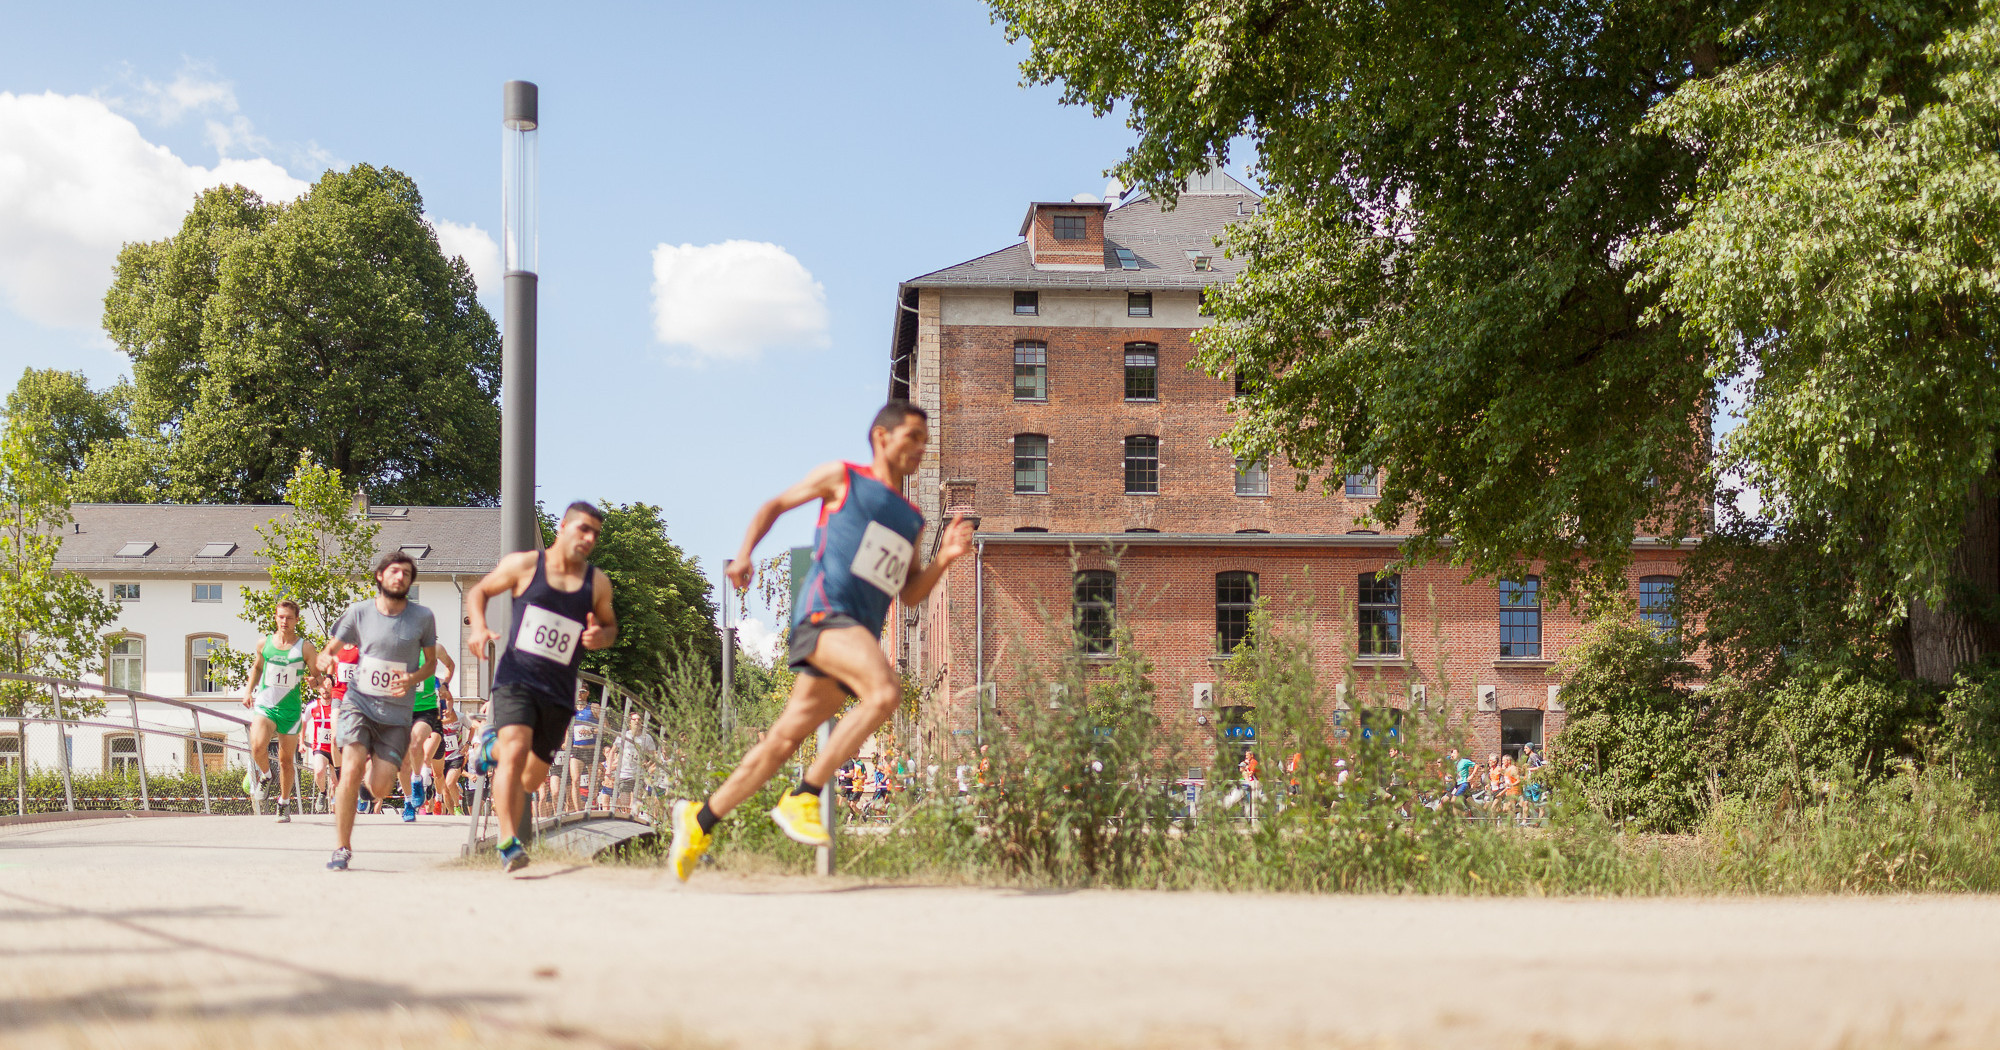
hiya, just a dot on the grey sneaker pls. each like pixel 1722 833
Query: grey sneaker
pixel 340 859
pixel 284 812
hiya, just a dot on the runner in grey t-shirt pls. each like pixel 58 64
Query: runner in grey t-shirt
pixel 372 724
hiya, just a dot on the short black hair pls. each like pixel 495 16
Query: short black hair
pixel 582 507
pixel 394 557
pixel 892 415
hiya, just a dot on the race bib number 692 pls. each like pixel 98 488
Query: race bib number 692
pixel 883 559
pixel 549 635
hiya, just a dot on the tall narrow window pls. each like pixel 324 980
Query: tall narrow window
pixel 10 751
pixel 1031 370
pixel 1235 597
pixel 203 675
pixel 1656 602
pixel 1096 609
pixel 1362 484
pixel 1031 463
pixel 1142 464
pixel 1253 477
pixel 1027 302
pixel 125 668
pixel 1138 304
pixel 1071 227
pixel 1381 615
pixel 1521 617
pixel 1142 372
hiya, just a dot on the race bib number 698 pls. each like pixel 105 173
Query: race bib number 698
pixel 883 559
pixel 549 635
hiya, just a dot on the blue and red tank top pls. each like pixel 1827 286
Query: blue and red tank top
pixel 547 642
pixel 866 547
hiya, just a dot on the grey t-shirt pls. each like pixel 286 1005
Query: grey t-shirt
pixel 387 643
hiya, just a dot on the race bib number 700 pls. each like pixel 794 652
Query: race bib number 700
pixel 549 635
pixel 883 559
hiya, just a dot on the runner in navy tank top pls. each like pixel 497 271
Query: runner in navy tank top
pixel 562 606
pixel 864 561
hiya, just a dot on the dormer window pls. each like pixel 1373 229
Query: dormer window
pixel 1126 259
pixel 1071 227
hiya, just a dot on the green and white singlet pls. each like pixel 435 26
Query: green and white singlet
pixel 278 688
pixel 426 696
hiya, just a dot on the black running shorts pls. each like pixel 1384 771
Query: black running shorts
pixel 430 718
pixel 514 704
pixel 805 641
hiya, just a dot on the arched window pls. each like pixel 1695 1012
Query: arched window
pixel 1521 617
pixel 125 663
pixel 121 754
pixel 1235 598
pixel 1031 463
pixel 1381 615
pixel 204 676
pixel 1142 372
pixel 1142 464
pixel 1096 609
pixel 1656 602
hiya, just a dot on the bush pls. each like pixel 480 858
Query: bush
pixel 1630 740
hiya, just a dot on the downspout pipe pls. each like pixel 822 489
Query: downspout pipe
pixel 979 640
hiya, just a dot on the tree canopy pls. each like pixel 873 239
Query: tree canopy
pixel 65 417
pixel 1512 251
pixel 666 609
pixel 332 325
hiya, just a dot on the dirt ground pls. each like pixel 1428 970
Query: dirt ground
pixel 226 931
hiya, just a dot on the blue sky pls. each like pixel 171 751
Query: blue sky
pixel 868 142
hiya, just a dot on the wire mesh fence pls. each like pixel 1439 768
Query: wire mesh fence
pixel 89 747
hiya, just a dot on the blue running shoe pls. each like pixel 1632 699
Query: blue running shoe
pixel 483 761
pixel 417 790
pixel 513 856
pixel 339 861
pixel 410 809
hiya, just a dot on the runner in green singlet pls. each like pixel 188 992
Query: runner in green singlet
pixel 426 730
pixel 283 664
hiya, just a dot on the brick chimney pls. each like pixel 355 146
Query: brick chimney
pixel 1066 236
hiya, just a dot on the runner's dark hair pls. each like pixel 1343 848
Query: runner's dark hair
pixel 287 603
pixel 394 557
pixel 583 507
pixel 892 415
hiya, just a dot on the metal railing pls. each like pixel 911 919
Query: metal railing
pixel 121 770
pixel 616 775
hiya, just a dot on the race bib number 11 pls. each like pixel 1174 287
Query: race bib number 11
pixel 551 636
pixel 280 678
pixel 884 558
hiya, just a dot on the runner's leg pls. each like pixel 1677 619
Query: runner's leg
pixel 852 655
pixel 261 731
pixel 353 759
pixel 513 752
pixel 288 766
pixel 814 700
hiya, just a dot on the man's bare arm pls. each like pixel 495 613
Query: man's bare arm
pixel 602 630
pixel 957 543
pixel 506 578
pixel 825 482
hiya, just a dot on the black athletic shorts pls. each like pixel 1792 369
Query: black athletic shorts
pixel 430 718
pixel 454 762
pixel 517 705
pixel 805 641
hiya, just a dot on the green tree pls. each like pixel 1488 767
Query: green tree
pixel 51 622
pixel 664 604
pixel 321 553
pixel 69 418
pixel 332 325
pixel 1511 251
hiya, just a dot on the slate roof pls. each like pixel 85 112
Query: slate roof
pixel 461 539
pixel 1160 238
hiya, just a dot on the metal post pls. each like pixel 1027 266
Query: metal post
pixel 596 753
pixel 21 766
pixel 728 671
pixel 628 752
pixel 519 117
pixel 139 747
pixel 979 642
pixel 62 752
pixel 201 759
pixel 829 796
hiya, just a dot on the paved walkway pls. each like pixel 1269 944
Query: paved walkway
pixel 226 931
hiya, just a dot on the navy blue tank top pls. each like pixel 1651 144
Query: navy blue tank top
pixel 866 549
pixel 547 642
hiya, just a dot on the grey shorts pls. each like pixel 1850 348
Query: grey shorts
pixel 383 740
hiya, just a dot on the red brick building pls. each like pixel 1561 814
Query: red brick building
pixel 1066 421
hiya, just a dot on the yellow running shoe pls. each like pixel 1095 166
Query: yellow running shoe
pixel 798 818
pixel 690 842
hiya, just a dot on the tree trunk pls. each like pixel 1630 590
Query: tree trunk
pixel 1962 629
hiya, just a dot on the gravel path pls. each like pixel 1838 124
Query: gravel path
pixel 221 931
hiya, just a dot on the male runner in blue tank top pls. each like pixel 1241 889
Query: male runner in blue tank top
pixel 562 606
pixel 864 561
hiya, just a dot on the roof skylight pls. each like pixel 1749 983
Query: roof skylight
pixel 216 549
pixel 136 549
pixel 1126 259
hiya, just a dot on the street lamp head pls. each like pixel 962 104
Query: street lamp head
pixel 520 106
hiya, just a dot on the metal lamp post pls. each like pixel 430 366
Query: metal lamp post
pixel 520 116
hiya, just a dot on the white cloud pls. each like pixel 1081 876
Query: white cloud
pixel 758 641
pixel 77 181
pixel 477 247
pixel 196 89
pixel 734 300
